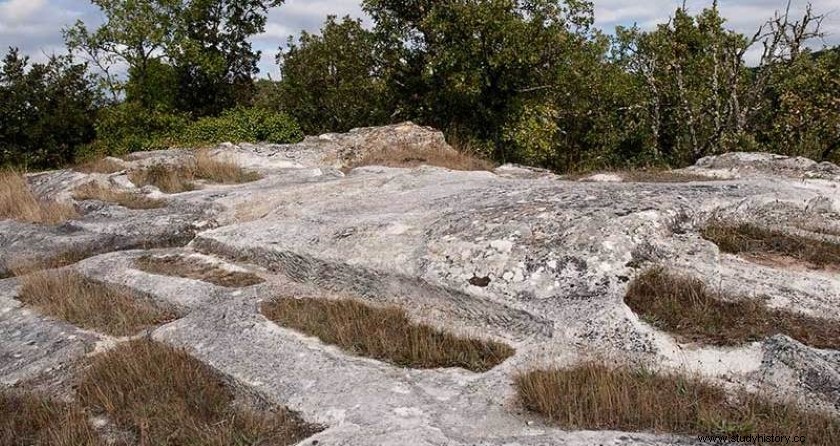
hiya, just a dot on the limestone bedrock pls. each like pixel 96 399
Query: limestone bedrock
pixel 558 253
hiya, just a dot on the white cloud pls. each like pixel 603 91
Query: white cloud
pixel 17 10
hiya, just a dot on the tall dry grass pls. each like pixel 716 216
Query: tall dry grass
pixel 385 334
pixel 172 178
pixel 31 419
pixel 169 179
pixel 17 202
pixel 164 396
pixel 72 297
pixel 207 168
pixel 130 200
pixel 150 394
pixel 686 307
pixel 596 397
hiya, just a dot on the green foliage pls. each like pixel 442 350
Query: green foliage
pixel 155 88
pixel 535 134
pixel 197 48
pixel 332 81
pixel 243 125
pixel 690 73
pixel 533 79
pixel 476 66
pixel 529 81
pixel 130 127
pixel 806 107
pixel 46 110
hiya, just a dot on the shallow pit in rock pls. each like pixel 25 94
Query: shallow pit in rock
pixel 384 333
pixel 593 396
pixel 92 305
pixel 191 268
pixel 176 178
pixel 687 308
pixel 144 392
pixel 130 200
pixel 773 247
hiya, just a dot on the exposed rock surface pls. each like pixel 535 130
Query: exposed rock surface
pixel 558 255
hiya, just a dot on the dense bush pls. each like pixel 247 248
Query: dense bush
pixel 243 125
pixel 46 110
pixel 539 84
pixel 130 127
pixel 805 104
pixel 330 81
pixel 528 81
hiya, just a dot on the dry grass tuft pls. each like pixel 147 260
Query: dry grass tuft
pixel 91 305
pixel 406 155
pixel 771 246
pixel 181 178
pixel 27 419
pixel 93 191
pixel 663 176
pixel 12 266
pixel 207 168
pixel 180 266
pixel 165 396
pixel 17 267
pixel 385 334
pixel 685 307
pixel 169 179
pixel 642 175
pixel 595 397
pixel 101 165
pixel 19 203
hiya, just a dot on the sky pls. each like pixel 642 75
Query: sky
pixel 35 26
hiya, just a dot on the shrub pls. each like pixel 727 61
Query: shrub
pixel 244 125
pixel 129 127
pixel 46 110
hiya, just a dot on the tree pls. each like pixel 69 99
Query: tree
pixel 795 107
pixel 532 81
pixel 692 72
pixel 214 59
pixel 805 115
pixel 136 33
pixel 205 42
pixel 698 97
pixel 474 67
pixel 332 81
pixel 46 110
